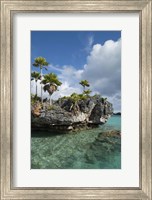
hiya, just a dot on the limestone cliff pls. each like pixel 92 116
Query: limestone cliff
pixel 66 114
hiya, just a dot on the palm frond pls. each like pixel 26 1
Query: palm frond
pixel 35 75
pixel 84 83
pixel 40 62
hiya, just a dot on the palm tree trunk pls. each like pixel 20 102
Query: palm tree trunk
pixel 50 101
pixel 36 88
pixel 41 87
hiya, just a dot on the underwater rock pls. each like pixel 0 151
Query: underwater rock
pixel 104 145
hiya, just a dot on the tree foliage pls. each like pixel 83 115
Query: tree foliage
pixel 84 83
pixel 40 62
pixel 87 92
pixel 35 75
pixel 52 79
pixel 51 83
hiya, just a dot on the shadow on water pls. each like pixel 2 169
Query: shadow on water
pixel 51 133
pixel 45 133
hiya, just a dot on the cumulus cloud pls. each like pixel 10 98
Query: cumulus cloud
pixel 70 74
pixel 65 90
pixel 103 70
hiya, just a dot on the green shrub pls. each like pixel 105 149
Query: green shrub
pixel 51 107
pixel 35 99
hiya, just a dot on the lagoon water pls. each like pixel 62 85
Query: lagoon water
pixel 76 150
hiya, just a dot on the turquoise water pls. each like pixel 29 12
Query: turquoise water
pixel 82 150
pixel 113 122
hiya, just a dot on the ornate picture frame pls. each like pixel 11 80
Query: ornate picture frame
pixel 8 9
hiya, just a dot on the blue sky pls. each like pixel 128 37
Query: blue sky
pixel 77 55
pixel 67 47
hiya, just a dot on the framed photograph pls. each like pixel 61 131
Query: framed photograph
pixel 76 99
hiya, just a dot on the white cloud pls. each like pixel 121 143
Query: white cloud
pixel 69 77
pixel 55 68
pixel 103 70
pixel 116 101
pixel 65 90
pixel 91 40
pixel 33 89
pixel 89 44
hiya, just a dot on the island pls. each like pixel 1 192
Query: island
pixel 73 113
pixel 69 113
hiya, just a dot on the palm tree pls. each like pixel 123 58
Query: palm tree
pixel 51 83
pixel 41 63
pixel 84 84
pixel 36 77
pixel 87 92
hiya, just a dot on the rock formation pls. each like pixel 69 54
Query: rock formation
pixel 68 115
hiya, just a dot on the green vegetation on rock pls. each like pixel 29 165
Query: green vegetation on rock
pixel 35 99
